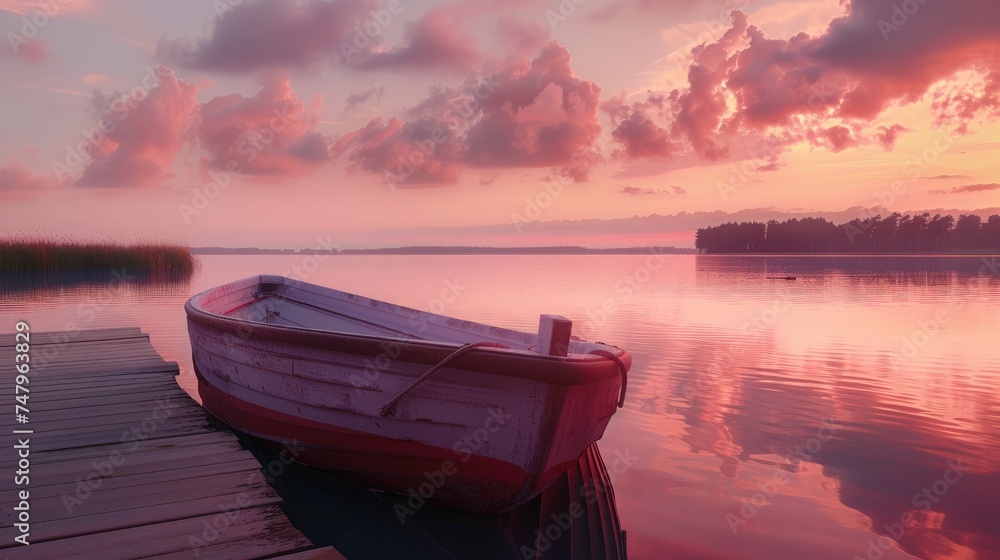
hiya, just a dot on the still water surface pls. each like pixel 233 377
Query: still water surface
pixel 765 418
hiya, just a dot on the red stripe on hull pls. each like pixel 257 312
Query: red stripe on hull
pixel 438 475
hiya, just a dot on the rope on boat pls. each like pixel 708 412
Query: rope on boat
pixel 390 407
pixel 621 365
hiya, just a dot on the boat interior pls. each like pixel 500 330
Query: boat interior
pixel 286 302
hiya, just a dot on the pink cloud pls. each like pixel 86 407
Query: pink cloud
pixel 146 132
pixel 406 152
pixel 19 183
pixel 700 109
pixel 641 137
pixel 963 105
pixel 836 138
pixel 30 7
pixel 34 51
pixel 95 79
pixel 858 67
pixel 256 35
pixel 617 108
pixel 540 115
pixel 527 113
pixel 695 113
pixel 271 133
pixel 645 191
pixel 30 51
pixel 888 135
pixel 436 41
pixel 747 90
pixel 982 187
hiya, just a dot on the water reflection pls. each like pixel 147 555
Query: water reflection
pixel 29 293
pixel 105 300
pixel 575 519
pixel 757 394
pixel 734 379
pixel 876 266
pixel 49 288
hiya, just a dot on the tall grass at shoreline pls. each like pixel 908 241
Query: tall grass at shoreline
pixel 42 255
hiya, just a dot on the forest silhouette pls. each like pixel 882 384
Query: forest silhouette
pixel 895 233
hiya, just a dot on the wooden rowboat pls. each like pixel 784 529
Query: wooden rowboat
pixel 443 410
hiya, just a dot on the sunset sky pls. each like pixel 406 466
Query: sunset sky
pixel 371 123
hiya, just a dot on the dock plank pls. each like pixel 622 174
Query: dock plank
pixel 103 371
pixel 89 335
pixel 177 488
pixel 89 524
pixel 207 441
pixel 106 499
pixel 137 465
pixel 75 441
pixel 91 417
pixel 178 537
pixel 151 478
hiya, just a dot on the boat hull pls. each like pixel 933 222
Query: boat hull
pixel 485 434
pixel 457 478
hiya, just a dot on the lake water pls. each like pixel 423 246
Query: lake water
pixel 765 418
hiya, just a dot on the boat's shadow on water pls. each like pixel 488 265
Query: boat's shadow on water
pixel 574 519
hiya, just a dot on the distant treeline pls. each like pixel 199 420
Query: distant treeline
pixel 895 233
pixel 444 250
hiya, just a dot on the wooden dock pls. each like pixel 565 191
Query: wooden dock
pixel 124 464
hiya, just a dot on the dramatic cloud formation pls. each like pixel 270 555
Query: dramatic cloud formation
pixel 745 95
pixel 271 133
pixel 860 66
pixel 700 109
pixel 969 188
pixel 539 115
pixel 141 134
pixel 827 90
pixel 695 114
pixel 526 113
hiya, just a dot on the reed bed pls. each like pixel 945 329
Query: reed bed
pixel 31 255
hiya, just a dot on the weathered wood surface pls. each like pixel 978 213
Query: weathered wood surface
pixel 123 464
